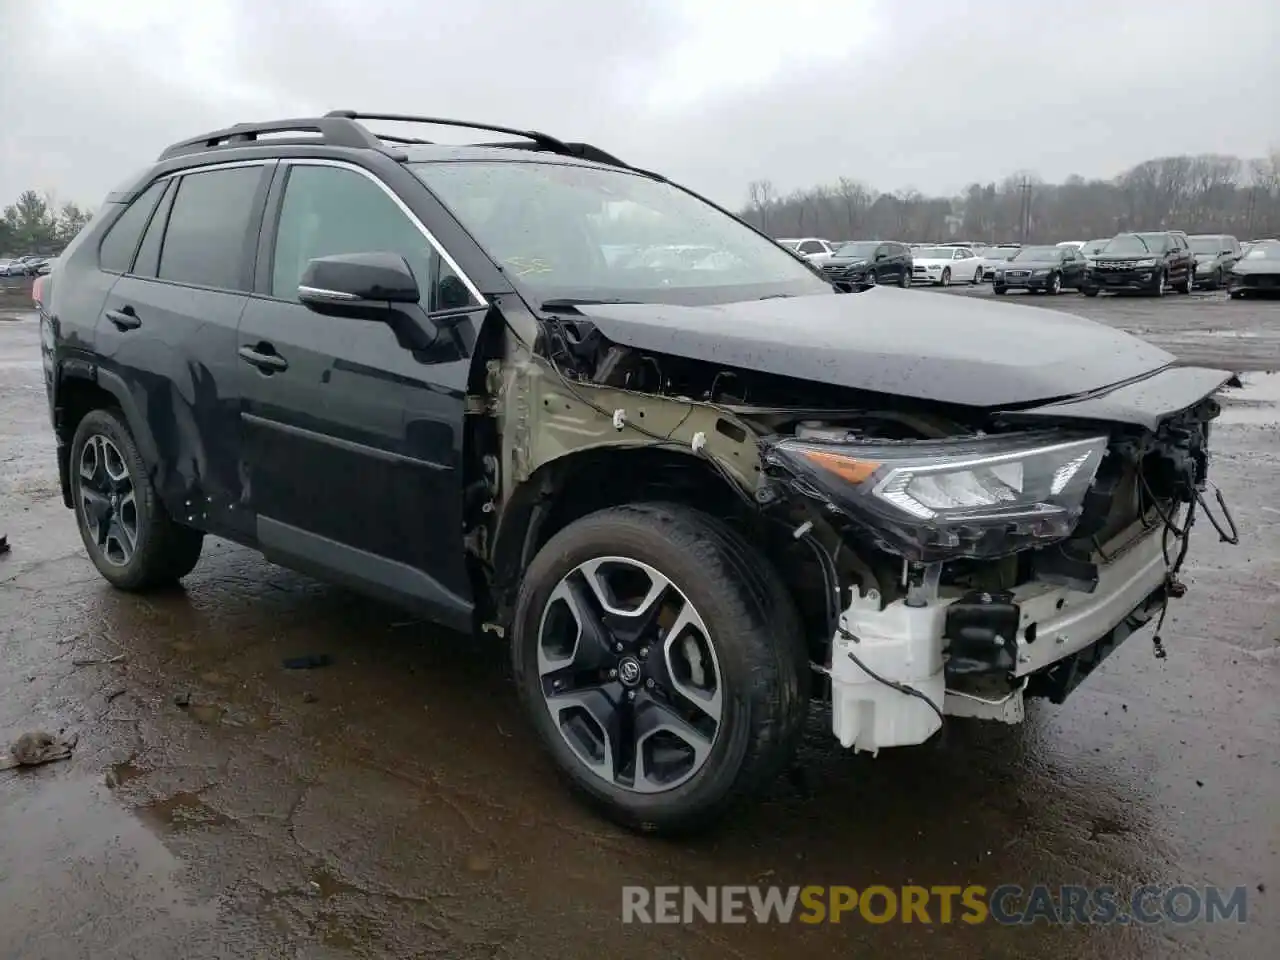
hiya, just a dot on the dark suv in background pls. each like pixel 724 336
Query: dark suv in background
pixel 865 263
pixel 1142 263
pixel 691 491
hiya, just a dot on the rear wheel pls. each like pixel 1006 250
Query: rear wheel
pixel 130 537
pixel 662 664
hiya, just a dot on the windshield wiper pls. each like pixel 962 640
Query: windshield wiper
pixel 567 303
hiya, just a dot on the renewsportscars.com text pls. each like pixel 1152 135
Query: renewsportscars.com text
pixel 973 904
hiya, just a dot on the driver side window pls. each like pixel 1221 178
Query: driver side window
pixel 332 210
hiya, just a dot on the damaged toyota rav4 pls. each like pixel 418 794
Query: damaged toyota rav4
pixel 524 387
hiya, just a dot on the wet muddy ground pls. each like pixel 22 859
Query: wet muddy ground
pixel 393 804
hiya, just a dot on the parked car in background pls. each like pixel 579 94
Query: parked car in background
pixel 1041 270
pixel 1257 272
pixel 993 257
pixel 1149 262
pixel 1214 253
pixel 1250 244
pixel 1092 248
pixel 943 265
pixel 811 248
pixel 866 263
pixel 1074 244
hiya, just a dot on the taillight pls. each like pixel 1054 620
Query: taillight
pixel 36 289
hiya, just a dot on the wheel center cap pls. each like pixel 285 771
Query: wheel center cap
pixel 629 671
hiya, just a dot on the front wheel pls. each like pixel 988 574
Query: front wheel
pixel 1189 283
pixel 1055 285
pixel 662 664
pixel 904 281
pixel 1236 294
pixel 1161 285
pixel 1000 291
pixel 130 537
pixel 977 276
pixel 946 277
pixel 1089 291
pixel 871 278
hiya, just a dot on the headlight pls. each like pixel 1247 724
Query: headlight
pixel 938 499
pixel 1145 263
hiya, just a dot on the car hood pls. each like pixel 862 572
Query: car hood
pixel 1030 264
pixel 1127 256
pixel 952 350
pixel 848 261
pixel 933 261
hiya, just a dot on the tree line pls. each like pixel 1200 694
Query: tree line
pixel 1198 194
pixel 36 224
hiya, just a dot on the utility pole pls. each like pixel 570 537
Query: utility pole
pixel 1024 213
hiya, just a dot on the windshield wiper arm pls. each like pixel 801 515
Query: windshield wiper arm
pixel 564 303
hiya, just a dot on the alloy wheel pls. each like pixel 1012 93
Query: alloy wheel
pixel 108 501
pixel 629 674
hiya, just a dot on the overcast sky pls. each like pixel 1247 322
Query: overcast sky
pixel 931 94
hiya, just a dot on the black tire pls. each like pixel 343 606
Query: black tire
pixel 757 639
pixel 1000 291
pixel 1055 285
pixel 1089 291
pixel 1160 286
pixel 977 276
pixel 164 551
pixel 904 281
pixel 870 280
pixel 1189 283
pixel 945 281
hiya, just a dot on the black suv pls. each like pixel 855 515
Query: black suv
pixel 693 492
pixel 1142 262
pixel 865 263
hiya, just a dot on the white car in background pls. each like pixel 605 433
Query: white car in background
pixel 811 248
pixel 1074 244
pixel 993 257
pixel 943 266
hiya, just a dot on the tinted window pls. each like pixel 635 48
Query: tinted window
pixel 148 259
pixel 118 246
pixel 329 210
pixel 209 228
pixel 811 246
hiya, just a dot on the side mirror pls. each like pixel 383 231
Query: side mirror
pixel 360 285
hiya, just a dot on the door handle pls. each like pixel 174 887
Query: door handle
pixel 124 318
pixel 266 362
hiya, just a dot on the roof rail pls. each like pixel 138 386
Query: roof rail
pixel 543 141
pixel 333 131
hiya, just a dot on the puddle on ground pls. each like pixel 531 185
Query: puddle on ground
pixel 179 811
pixel 121 773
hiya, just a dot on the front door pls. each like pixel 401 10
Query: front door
pixel 353 437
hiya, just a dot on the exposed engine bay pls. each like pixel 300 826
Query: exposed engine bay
pixel 946 559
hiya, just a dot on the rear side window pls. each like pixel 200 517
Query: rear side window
pixel 148 259
pixel 121 241
pixel 208 230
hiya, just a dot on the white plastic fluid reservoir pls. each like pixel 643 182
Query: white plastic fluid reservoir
pixel 900 643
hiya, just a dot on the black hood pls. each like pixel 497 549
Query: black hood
pixel 847 261
pixel 1029 265
pixel 949 349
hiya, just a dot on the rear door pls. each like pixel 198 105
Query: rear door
pixel 354 439
pixel 167 330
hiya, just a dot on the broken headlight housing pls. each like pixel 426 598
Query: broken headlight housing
pixel 940 499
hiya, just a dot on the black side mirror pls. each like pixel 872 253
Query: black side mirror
pixel 360 285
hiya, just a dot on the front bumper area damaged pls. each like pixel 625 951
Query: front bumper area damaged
pixel 1059 636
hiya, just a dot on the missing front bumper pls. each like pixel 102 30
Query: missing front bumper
pixel 1062 636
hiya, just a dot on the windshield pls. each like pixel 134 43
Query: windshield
pixel 1130 243
pixel 857 248
pixel 1038 253
pixel 1094 246
pixel 565 231
pixel 1210 245
pixel 1264 251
